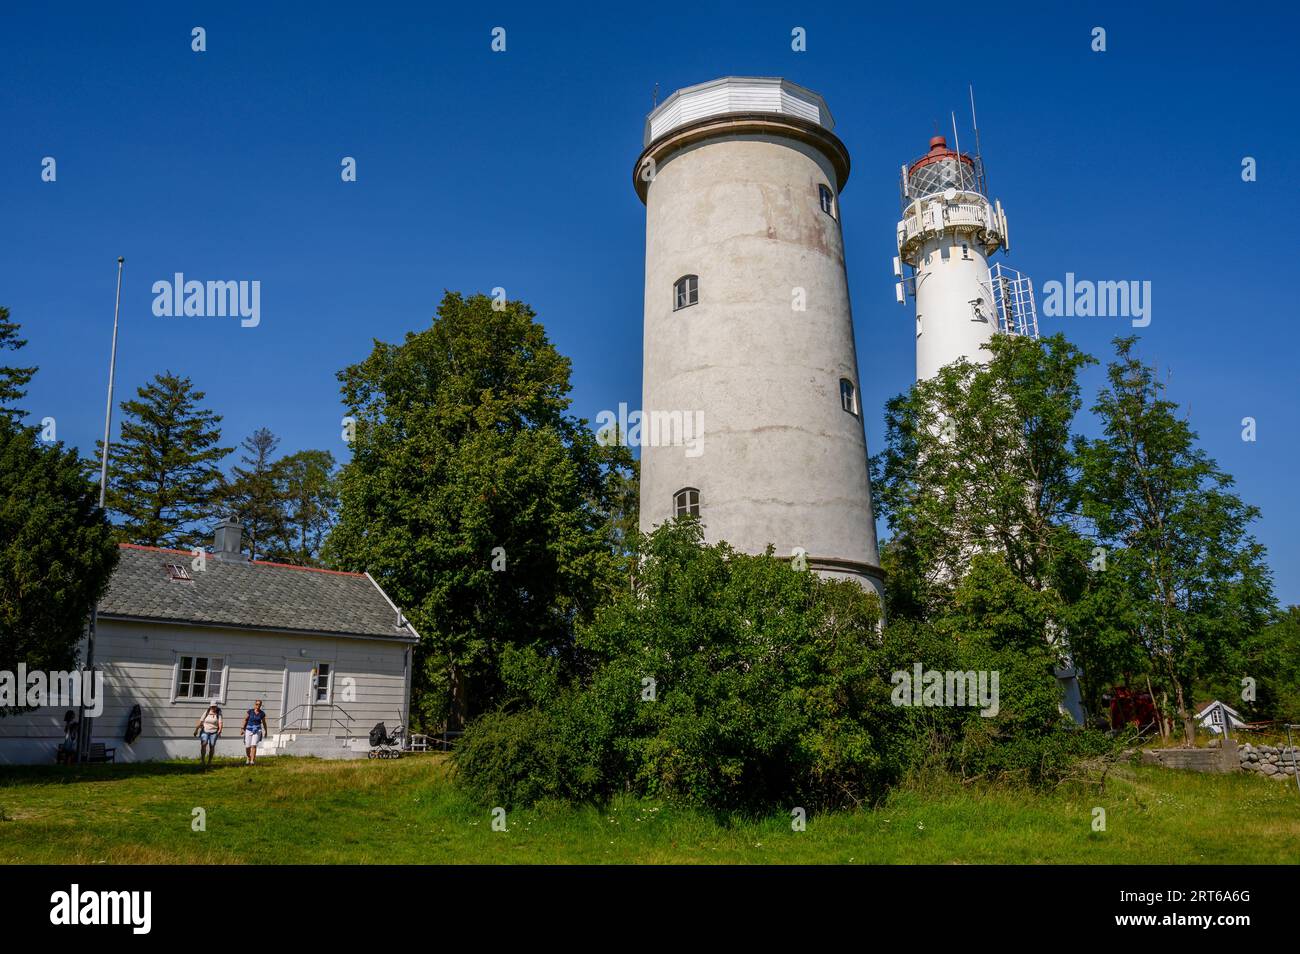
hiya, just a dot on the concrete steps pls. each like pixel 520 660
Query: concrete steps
pixel 318 746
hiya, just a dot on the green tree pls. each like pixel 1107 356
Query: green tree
pixel 309 492
pixel 56 550
pixel 1272 658
pixel 1195 579
pixel 473 496
pixel 728 681
pixel 164 477
pixel 978 460
pixel 13 380
pixel 254 493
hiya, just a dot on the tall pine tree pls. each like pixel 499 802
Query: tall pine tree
pixel 13 380
pixel 309 495
pixel 164 481
pixel 254 493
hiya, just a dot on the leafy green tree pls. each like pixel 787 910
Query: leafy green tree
pixel 474 497
pixel 1272 658
pixel 254 494
pixel 56 550
pixel 164 478
pixel 1180 543
pixel 13 380
pixel 978 460
pixel 308 491
pixel 737 683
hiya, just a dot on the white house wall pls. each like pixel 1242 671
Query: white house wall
pixel 138 661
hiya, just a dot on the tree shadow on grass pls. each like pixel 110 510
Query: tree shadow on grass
pixel 24 775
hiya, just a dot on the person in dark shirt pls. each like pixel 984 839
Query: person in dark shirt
pixel 254 731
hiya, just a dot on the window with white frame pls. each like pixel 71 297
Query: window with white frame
pixel 827 200
pixel 200 677
pixel 322 682
pixel 848 396
pixel 686 502
pixel 686 292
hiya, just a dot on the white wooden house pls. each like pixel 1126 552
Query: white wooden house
pixel 327 652
pixel 1214 715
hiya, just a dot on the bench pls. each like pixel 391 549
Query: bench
pixel 98 753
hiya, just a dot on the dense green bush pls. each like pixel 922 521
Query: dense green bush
pixel 740 683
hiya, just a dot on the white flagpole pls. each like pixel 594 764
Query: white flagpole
pixel 84 728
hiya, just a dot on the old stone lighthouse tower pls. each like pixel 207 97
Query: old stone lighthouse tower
pixel 748 327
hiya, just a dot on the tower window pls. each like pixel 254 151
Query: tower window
pixel 848 396
pixel 827 200
pixel 686 502
pixel 686 292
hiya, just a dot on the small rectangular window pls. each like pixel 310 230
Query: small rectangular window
pixel 200 677
pixel 827 200
pixel 686 502
pixel 686 291
pixel 178 572
pixel 322 683
pixel 848 396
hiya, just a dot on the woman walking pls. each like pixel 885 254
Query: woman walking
pixel 254 730
pixel 208 729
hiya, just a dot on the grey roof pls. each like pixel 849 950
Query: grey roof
pixel 240 593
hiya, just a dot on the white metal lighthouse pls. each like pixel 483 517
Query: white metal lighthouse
pixel 748 325
pixel 947 234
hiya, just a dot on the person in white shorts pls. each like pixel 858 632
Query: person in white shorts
pixel 254 730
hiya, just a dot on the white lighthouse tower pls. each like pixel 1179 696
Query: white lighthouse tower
pixel 748 325
pixel 947 234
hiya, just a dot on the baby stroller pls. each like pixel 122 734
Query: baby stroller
pixel 385 744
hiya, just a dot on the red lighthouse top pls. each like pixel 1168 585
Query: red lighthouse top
pixel 938 150
pixel 941 169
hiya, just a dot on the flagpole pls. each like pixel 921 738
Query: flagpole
pixel 84 727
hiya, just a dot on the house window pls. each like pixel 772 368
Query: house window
pixel 200 677
pixel 848 396
pixel 827 200
pixel 321 683
pixel 686 502
pixel 179 573
pixel 686 292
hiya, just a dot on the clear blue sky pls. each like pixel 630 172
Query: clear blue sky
pixel 478 169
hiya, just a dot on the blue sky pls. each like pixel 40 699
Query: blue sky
pixel 479 169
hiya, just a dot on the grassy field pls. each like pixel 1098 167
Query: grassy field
pixel 307 811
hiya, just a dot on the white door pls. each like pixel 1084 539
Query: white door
pixel 295 715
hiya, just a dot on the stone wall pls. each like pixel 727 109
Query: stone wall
pixel 1271 761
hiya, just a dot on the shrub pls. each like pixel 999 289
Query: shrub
pixel 738 683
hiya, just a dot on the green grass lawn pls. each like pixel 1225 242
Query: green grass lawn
pixel 307 811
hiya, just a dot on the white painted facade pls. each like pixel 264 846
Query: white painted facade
pixel 734 176
pixel 368 681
